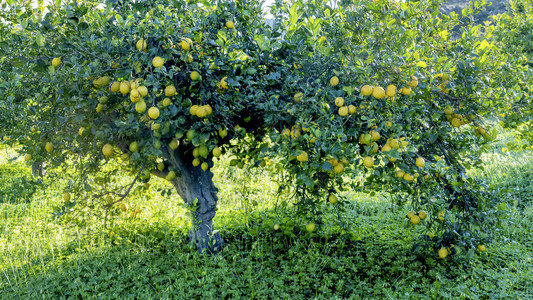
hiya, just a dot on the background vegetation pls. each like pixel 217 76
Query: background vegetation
pixel 150 256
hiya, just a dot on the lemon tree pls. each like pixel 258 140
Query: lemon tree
pixel 362 95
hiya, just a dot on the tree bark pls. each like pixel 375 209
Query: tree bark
pixel 194 184
pixel 37 168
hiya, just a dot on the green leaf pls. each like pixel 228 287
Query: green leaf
pixel 421 64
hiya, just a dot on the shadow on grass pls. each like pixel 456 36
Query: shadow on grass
pixel 144 260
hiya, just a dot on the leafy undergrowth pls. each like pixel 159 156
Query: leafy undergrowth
pixel 151 258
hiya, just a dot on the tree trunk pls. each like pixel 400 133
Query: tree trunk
pixel 194 184
pixel 37 168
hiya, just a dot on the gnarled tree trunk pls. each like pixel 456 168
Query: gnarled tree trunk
pixel 37 168
pixel 192 183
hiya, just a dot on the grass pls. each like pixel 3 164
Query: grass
pixel 150 257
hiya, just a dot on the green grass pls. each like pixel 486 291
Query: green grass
pixel 150 257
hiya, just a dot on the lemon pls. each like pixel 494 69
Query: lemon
pixel 160 166
pixel 56 61
pixel 115 87
pixel 334 81
pixel 141 45
pixel 339 168
pixel 310 227
pixel 410 214
pixel 174 144
pixel 392 159
pixel 332 199
pixel 388 124
pixel 107 150
pixel 195 76
pixel 420 162
pixel 394 143
pixel 230 24
pixel 375 136
pixel 66 196
pixel 99 108
pixel 155 126
pixel 386 148
pixel 351 109
pixel 368 162
pixel 343 111
pixel 204 166
pixel 222 132
pixel 135 96
pixel 190 58
pixel 158 62
pixel 27 157
pixel 196 162
pixel 456 122
pixel 134 147
pixel 431 234
pixel 422 214
pixel 367 90
pixel 124 87
pixel 170 91
pixel 193 110
pixel 482 248
pixel 195 152
pixel 408 177
pixel 339 101
pixel 124 207
pixel 413 83
pixel 166 102
pixel 170 176
pixel 191 134
pixel 186 44
pixel 406 91
pixel 443 252
pixel 140 106
pixel 143 91
pixel 391 90
pixel 276 226
pixel 415 220
pixel 298 97
pixel 400 173
pixel 217 152
pixel 302 157
pixel 378 92
pixel 153 112
pixel 203 151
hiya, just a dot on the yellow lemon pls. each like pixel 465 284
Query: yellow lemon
pixel 332 199
pixel 174 144
pixel 166 102
pixel 115 87
pixel 216 152
pixel 334 81
pixel 415 220
pixel 310 227
pixel 367 90
pixel 386 148
pixel 141 45
pixel 391 90
pixel 140 106
pixel 422 214
pixel 388 124
pixel 66 197
pixel 134 147
pixel 170 91
pixel 170 176
pixel 56 62
pixel 196 162
pixel 107 150
pixel 413 83
pixel 339 101
pixel 378 92
pixel 153 112
pixel 124 87
pixel 351 109
pixel 343 111
pixel 482 248
pixel 368 162
pixel 190 58
pixel 394 143
pixel 339 168
pixel 302 157
pixel 420 162
pixel 158 62
pixel 406 91
pixel 408 177
pixel 204 166
pixel 143 91
pixel 230 24
pixel 298 97
pixel 456 122
pixel 195 76
pixel 186 44
pixel 203 151
pixel 27 157
pixel 443 252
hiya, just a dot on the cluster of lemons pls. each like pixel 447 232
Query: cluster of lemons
pixel 416 217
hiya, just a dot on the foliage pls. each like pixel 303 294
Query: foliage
pixel 150 257
pixel 267 94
